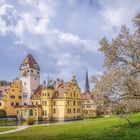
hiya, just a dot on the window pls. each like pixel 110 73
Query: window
pixel 32 71
pixel 45 112
pixel 68 102
pixel 78 103
pixel 35 78
pixel 12 97
pixel 28 71
pixel 24 96
pixel 24 83
pixel 77 110
pixel 20 97
pixel 88 106
pixel 54 110
pixel 70 110
pixel 30 112
pixel 74 110
pixel 36 103
pixel 35 113
pixel 42 102
pixel 54 103
pixel 17 104
pixel 74 103
pixel 0 104
pixel 45 102
pixel 12 104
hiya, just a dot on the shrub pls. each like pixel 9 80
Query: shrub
pixel 2 113
pixel 30 121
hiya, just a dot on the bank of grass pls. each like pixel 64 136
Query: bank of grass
pixel 107 128
pixel 2 129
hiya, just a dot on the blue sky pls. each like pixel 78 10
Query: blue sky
pixel 63 35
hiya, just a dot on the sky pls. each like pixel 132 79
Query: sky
pixel 62 35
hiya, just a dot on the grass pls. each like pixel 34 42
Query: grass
pixel 111 128
pixel 2 129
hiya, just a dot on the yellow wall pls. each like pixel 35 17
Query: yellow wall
pixel 13 98
pixel 68 106
pixel 2 103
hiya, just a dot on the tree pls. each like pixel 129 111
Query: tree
pixel 121 81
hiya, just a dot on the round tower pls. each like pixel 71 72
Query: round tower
pixel 30 77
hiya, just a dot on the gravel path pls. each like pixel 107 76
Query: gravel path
pixel 19 128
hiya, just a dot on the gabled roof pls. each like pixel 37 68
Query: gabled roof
pixel 37 92
pixel 29 59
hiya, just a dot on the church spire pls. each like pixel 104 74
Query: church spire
pixel 87 88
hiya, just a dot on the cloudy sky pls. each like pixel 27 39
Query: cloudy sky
pixel 62 35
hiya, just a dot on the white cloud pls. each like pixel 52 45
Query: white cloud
pixel 65 34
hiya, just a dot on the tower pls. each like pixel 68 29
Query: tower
pixel 87 88
pixel 30 77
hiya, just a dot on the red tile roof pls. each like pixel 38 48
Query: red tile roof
pixel 37 92
pixel 86 95
pixel 29 59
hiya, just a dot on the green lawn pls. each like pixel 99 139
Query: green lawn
pixel 110 128
pixel 2 129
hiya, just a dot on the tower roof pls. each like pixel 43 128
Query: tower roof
pixel 87 88
pixel 29 59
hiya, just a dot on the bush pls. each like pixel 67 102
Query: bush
pixel 2 113
pixel 30 121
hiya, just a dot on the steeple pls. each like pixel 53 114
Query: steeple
pixel 87 88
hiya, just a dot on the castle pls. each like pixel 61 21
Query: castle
pixel 55 100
